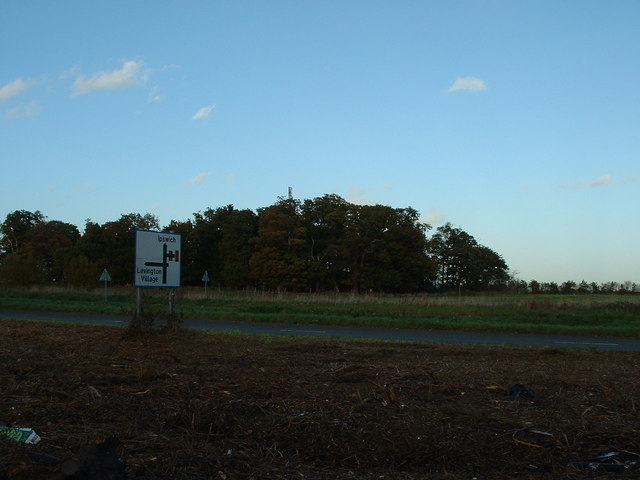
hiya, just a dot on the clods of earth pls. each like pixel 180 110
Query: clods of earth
pixel 107 404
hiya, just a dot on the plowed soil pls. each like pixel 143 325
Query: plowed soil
pixel 190 405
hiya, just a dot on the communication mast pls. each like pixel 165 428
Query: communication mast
pixel 289 229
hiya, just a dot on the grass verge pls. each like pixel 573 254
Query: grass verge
pixel 616 316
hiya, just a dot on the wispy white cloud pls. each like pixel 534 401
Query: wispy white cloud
pixel 433 216
pixel 154 96
pixel 132 74
pixel 80 190
pixel 198 179
pixel 630 180
pixel 13 89
pixel 359 196
pixel 22 112
pixel 69 72
pixel 467 84
pixel 362 195
pixel 600 181
pixel 596 182
pixel 204 113
pixel 167 67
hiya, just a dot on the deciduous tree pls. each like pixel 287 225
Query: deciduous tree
pixel 462 262
pixel 277 261
pixel 17 228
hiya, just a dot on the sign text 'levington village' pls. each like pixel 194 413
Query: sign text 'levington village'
pixel 157 259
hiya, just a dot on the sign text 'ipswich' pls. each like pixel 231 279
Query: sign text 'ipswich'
pixel 157 259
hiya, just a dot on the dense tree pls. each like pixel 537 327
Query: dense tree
pixel 43 247
pixel 386 249
pixel 237 227
pixel 221 244
pixel 20 269
pixel 190 270
pixel 583 288
pixel 568 287
pixel 277 261
pixel 462 262
pixel 516 286
pixel 328 243
pixel 551 288
pixel 92 245
pixel 80 272
pixel 52 243
pixel 324 220
pixel 17 228
pixel 203 242
pixel 317 245
pixel 112 245
pixel 534 287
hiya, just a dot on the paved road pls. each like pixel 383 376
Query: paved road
pixel 401 334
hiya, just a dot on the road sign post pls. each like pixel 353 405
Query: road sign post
pixel 105 277
pixel 158 259
pixel 205 279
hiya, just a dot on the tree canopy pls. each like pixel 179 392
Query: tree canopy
pixel 462 262
pixel 315 245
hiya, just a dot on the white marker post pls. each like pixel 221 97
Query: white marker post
pixel 205 279
pixel 158 256
pixel 106 278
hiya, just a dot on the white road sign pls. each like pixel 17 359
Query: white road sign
pixel 157 259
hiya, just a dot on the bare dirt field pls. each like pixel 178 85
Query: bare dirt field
pixel 195 406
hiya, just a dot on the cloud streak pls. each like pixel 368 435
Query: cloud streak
pixel 198 179
pixel 467 84
pixel 601 181
pixel 132 74
pixel 13 89
pixel 361 195
pixel 597 182
pixel 22 112
pixel 204 113
pixel 434 216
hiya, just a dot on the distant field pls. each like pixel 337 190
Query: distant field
pixel 600 315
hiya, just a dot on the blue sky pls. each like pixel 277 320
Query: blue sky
pixel 517 121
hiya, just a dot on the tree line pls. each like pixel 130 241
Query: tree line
pixel 574 288
pixel 323 244
pixel 317 245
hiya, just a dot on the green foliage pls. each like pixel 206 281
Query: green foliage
pixel 325 244
pixel 330 244
pixel 80 272
pixel 463 263
pixel 277 262
pixel 42 247
pixel 191 271
pixel 17 228
pixel 21 269
pixel 112 245
pixel 219 242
